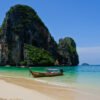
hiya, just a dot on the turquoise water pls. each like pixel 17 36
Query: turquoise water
pixel 79 76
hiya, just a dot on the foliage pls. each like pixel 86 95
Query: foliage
pixel 0 31
pixel 25 13
pixel 38 56
pixel 67 48
pixel 23 63
pixel 67 44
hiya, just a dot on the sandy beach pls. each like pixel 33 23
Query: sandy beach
pixel 9 91
pixel 25 89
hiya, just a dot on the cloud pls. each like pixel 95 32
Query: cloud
pixel 89 54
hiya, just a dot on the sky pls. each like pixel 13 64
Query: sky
pixel 79 19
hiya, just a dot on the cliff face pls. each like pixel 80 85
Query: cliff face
pixel 23 26
pixel 67 48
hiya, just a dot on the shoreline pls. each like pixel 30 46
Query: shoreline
pixel 50 90
pixel 10 91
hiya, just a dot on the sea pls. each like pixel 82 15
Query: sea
pixel 84 77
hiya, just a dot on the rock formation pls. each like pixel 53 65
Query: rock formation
pixel 23 26
pixel 67 48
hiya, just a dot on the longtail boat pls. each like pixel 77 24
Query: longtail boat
pixel 46 74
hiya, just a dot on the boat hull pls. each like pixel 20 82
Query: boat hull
pixel 39 74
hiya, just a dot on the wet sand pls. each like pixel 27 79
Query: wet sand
pixel 41 91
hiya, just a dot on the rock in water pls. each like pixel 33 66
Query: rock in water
pixel 67 48
pixel 23 26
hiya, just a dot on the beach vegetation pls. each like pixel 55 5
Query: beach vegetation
pixel 38 56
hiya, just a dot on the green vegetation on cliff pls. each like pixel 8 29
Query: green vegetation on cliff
pixel 0 31
pixel 67 48
pixel 38 56
pixel 24 13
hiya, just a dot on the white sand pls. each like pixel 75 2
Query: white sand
pixel 32 90
pixel 9 91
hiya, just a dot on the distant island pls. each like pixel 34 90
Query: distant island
pixel 85 64
pixel 24 39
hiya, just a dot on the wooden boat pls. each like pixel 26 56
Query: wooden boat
pixel 46 74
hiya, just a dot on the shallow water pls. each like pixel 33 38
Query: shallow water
pixel 79 76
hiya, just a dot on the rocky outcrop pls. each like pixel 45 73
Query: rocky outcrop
pixel 85 64
pixel 23 26
pixel 67 48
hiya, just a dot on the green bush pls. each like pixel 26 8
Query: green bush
pixel 23 63
pixel 38 56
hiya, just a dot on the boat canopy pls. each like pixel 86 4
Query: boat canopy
pixel 53 70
